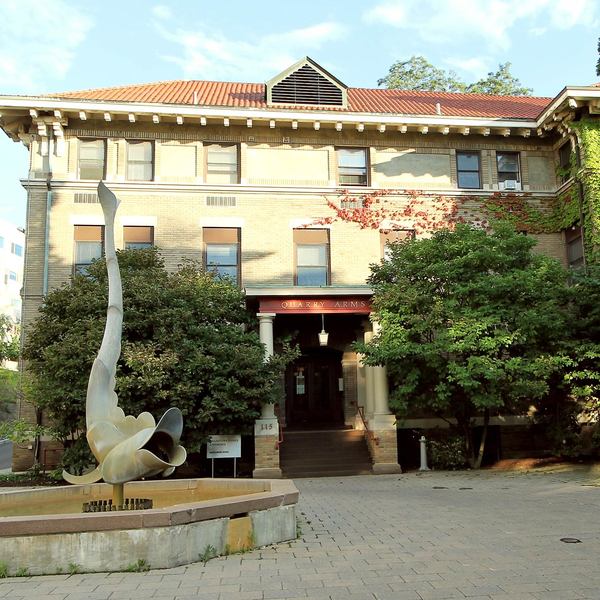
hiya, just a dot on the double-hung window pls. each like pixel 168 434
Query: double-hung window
pixel 312 257
pixel 574 241
pixel 89 246
pixel 140 159
pixel 394 236
pixel 222 252
pixel 564 161
pixel 136 237
pixel 222 163
pixel 91 159
pixel 352 166
pixel 509 175
pixel 468 170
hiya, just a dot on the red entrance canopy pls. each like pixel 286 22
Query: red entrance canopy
pixel 339 304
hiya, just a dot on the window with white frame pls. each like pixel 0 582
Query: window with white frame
pixel 89 246
pixel 138 237
pixel 222 251
pixel 352 166
pixel 91 159
pixel 509 171
pixel 140 160
pixel 222 163
pixel 312 257
pixel 393 236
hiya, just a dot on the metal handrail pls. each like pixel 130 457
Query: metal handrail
pixel 368 432
pixel 280 440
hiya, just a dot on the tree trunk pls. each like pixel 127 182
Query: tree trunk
pixel 479 457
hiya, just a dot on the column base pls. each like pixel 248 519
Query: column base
pixel 267 473
pixel 386 468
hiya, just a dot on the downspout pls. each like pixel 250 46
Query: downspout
pixel 47 221
pixel 38 413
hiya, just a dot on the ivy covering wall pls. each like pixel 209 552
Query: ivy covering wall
pixel 568 208
pixel 588 174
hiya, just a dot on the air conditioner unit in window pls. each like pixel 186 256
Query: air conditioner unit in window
pixel 510 184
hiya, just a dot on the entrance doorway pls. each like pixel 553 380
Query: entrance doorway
pixel 314 390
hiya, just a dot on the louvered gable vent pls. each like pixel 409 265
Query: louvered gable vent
pixel 306 83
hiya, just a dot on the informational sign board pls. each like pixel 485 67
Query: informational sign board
pixel 224 446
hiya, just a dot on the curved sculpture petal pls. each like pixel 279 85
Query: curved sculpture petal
pixel 126 447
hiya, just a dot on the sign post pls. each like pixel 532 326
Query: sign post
pixel 224 446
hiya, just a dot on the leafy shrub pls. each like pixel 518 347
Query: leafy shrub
pixel 448 454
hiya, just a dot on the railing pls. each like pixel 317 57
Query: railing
pixel 280 440
pixel 370 435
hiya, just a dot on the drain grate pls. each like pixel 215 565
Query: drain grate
pixel 108 506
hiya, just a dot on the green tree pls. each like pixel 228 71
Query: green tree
pixel 187 342
pixel 9 342
pixel 598 61
pixel 500 83
pixel 470 326
pixel 418 74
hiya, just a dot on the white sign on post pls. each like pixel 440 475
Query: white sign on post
pixel 224 446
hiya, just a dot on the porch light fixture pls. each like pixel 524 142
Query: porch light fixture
pixel 323 336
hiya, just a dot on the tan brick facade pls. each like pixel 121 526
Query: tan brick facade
pixel 266 457
pixel 286 177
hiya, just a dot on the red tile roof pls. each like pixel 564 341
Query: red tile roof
pixel 361 100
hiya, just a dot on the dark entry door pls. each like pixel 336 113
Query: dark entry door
pixel 313 397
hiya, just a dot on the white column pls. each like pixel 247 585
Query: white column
pixel 265 332
pixel 382 413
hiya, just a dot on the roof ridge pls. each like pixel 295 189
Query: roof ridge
pixel 152 83
pixel 459 94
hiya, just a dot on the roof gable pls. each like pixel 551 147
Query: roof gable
pixel 306 83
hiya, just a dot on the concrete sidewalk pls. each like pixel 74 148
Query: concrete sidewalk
pixel 437 535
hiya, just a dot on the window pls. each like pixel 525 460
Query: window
pixel 16 249
pixel 91 159
pixel 574 241
pixel 222 251
pixel 138 237
pixel 352 166
pixel 1 242
pixel 12 276
pixel 312 257
pixel 139 161
pixel 467 167
pixel 89 246
pixel 564 162
pixel 508 170
pixel 392 236
pixel 222 163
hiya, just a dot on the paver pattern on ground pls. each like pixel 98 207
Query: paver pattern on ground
pixel 484 535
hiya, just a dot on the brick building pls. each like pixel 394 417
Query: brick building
pixel 248 178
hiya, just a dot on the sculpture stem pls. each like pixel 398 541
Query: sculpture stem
pixel 118 495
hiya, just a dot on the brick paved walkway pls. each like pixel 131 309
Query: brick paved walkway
pixel 443 535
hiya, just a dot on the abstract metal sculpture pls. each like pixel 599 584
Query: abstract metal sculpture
pixel 125 447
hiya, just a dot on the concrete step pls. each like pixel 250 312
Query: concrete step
pixel 324 454
pixel 327 473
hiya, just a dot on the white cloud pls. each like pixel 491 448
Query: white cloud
pixel 476 66
pixel 489 21
pixel 209 54
pixel 160 11
pixel 38 40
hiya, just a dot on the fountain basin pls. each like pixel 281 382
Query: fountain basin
pixel 44 531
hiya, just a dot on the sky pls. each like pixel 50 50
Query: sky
pixel 62 45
